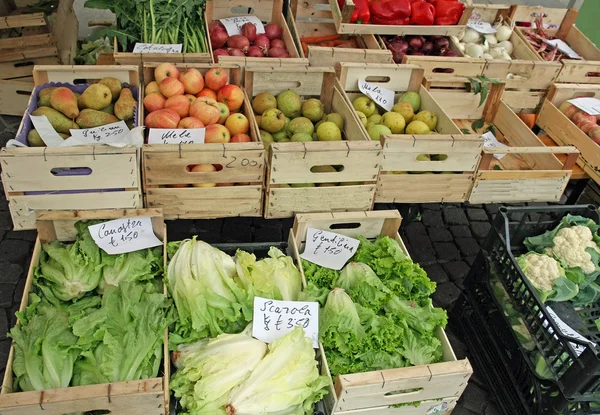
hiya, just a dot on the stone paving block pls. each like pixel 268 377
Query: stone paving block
pixel 267 235
pixel 445 295
pixel 3 325
pixel 436 273
pixel 12 315
pixel 423 257
pixel 480 229
pixel 479 215
pixel 446 251
pixel 5 221
pixel 432 206
pixel 420 242
pixel 4 351
pixel 19 288
pixel 10 273
pixel 460 231
pixel 415 228
pixel 440 235
pixel 29 235
pixel 455 216
pixel 457 270
pixel 468 246
pixel 492 208
pixel 459 348
pixel 6 295
pixel 432 218
pixel 470 260
pixel 475 398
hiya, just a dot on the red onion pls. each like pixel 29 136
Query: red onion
pixel 278 43
pixel 278 53
pixel 238 42
pixel 236 52
pixel 249 31
pixel 273 31
pixel 434 38
pixel 263 42
pixel 441 44
pixel 416 42
pixel 427 48
pixel 414 52
pixel 215 24
pixel 218 37
pixel 398 45
pixel 450 53
pixel 398 56
pixel 219 52
pixel 255 52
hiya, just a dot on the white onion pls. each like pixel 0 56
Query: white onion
pixel 491 39
pixel 461 35
pixel 497 52
pixel 487 56
pixel 485 46
pixel 461 46
pixel 503 33
pixel 506 56
pixel 474 51
pixel 507 46
pixel 471 36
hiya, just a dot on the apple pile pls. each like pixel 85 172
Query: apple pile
pixel 586 122
pixel 191 100
pixel 248 43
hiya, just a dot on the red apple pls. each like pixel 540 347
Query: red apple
pixel 164 118
pixel 232 96
pixel 217 133
pixel 170 87
pixel 207 92
pixel 154 102
pixel 190 122
pixel 240 138
pixel 203 168
pixel 192 81
pixel 215 78
pixel 165 70
pixel 206 110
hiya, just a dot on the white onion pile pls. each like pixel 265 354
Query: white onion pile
pixel 492 46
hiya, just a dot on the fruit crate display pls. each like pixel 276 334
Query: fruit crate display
pixel 313 20
pixel 407 166
pixel 79 177
pixel 345 11
pixel 560 24
pixel 416 390
pixel 339 174
pixel 564 131
pixel 234 184
pixel 150 396
pixel 571 362
pixel 267 12
pixel 29 39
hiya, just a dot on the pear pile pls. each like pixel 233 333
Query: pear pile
pixel 105 102
pixel 405 117
pixel 286 118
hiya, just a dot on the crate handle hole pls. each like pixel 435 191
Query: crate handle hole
pixel 413 391
pixel 27 93
pixel 432 157
pixel 21 64
pixel 352 225
pixel 593 74
pixel 583 94
pixel 71 171
pixel 378 79
pixel 242 10
pixel 443 70
pixel 326 169
pixel 288 84
pixel 217 167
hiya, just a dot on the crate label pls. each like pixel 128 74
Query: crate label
pixel 490 140
pixel 233 25
pixel 274 319
pixel 438 409
pixel 589 105
pixel 105 134
pixel 48 134
pixel 566 330
pixel 120 236
pixel 157 48
pixel 481 27
pixel 176 136
pixel 329 249
pixel 382 96
pixel 564 48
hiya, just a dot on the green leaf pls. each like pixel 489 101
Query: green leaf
pixel 491 129
pixel 484 93
pixel 476 125
pixel 465 131
pixel 497 167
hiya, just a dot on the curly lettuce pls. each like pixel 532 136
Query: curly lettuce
pixel 363 286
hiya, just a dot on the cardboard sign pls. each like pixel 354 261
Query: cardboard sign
pixel 329 249
pixel 233 25
pixel 382 96
pixel 566 330
pixel 564 48
pixel 156 48
pixel 48 134
pixel 589 105
pixel 120 236
pixel 176 136
pixel 490 140
pixel 481 27
pixel 273 319
pixel 109 133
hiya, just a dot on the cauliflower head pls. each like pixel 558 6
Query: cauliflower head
pixel 570 245
pixel 541 270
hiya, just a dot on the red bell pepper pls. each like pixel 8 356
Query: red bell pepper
pixel 394 12
pixel 448 12
pixel 395 22
pixel 361 12
pixel 422 13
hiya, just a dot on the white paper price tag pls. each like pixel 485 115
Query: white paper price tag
pixel 382 96
pixel 176 136
pixel 482 27
pixel 48 134
pixel 233 25
pixel 564 48
pixel 490 140
pixel 438 409
pixel 156 48
pixel 273 319
pixel 566 330
pixel 120 236
pixel 329 249
pixel 109 133
pixel 589 105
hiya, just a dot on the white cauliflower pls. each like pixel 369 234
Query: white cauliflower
pixel 541 270
pixel 570 245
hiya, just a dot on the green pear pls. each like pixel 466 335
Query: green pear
pixel 375 118
pixel 300 125
pixel 335 118
pixel 377 130
pixel 266 138
pixel 413 98
pixel 280 136
pixel 110 109
pixel 404 109
pixel 313 109
pixel 289 103
pixel 35 140
pixel 393 121
pixel 328 131
pixel 365 105
pixel 95 97
pixel 125 105
pixel 417 128
pixel 44 96
pixel 114 85
pixel 263 101
pixel 428 118
pixel 89 118
pixel 273 120
pixel 58 120
pixel 302 137
pixel 362 117
pixel 63 99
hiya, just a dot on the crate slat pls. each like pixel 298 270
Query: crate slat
pixel 423 188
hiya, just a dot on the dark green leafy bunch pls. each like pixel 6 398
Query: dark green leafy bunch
pixel 156 21
pixel 480 84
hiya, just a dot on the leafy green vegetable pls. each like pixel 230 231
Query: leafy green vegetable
pixel 547 277
pixel 363 286
pixel 339 323
pixel 320 276
pixel 142 265
pixel 313 293
pixel 90 51
pixel 422 318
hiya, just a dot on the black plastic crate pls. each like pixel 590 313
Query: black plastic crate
pixel 576 374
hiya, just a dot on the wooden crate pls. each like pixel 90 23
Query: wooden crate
pixel 149 396
pixel 375 392
pixel 313 18
pixel 269 11
pixel 400 151
pixel 564 132
pixel 27 173
pixel 164 168
pixel 356 158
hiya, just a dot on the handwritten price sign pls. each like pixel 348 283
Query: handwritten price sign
pixel 274 319
pixel 233 25
pixel 382 96
pixel 176 136
pixel 110 133
pixel 120 236
pixel 329 249
pixel 156 48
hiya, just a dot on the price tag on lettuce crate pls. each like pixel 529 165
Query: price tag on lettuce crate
pixel 120 236
pixel 329 249
pixel 273 319
pixel 564 48
pixel 157 48
pixel 47 133
pixel 588 104
pixel 109 133
pixel 382 96
pixel 490 140
pixel 176 136
pixel 438 409
pixel 567 330
pixel 233 25
pixel 481 27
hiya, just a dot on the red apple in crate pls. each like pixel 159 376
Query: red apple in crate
pixel 207 92
pixel 165 70
pixel 203 168
pixel 151 88
pixel 581 116
pixel 587 125
pixel 217 133
pixel 164 118
pixel 224 113
pixel 190 122
pixel 170 87
pixel 215 78
pixel 568 109
pixel 237 124
pixel 180 104
pixel 232 96
pixel 192 81
pixel 206 110
pixel 154 102
pixel 240 138
pixel 191 97
pixel 594 134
